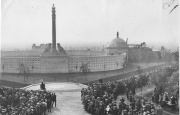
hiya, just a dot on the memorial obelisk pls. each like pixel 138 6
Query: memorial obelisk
pixel 53 30
pixel 51 49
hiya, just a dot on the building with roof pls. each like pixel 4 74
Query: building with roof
pixel 52 58
pixel 117 46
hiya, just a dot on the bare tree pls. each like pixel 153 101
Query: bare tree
pixel 76 72
pixel 140 71
pixel 84 68
pixel 117 64
pixel 176 56
pixel 104 69
pixel 68 76
pixel 124 63
pixel 76 68
pixel 23 70
pixel 3 67
pixel 148 58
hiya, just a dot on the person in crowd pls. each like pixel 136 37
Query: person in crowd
pixel 177 96
pixel 159 110
pixel 54 100
pixel 49 105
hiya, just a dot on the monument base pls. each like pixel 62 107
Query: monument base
pixel 54 62
pixel 54 53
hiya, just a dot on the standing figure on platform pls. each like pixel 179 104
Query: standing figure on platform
pixel 42 86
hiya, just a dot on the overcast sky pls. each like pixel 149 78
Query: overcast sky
pixel 89 22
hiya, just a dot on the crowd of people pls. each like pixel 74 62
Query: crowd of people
pixel 163 99
pixel 15 101
pixel 101 98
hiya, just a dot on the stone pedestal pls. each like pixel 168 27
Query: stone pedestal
pixel 54 63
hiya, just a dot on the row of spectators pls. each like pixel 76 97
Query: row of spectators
pixel 101 98
pixel 25 102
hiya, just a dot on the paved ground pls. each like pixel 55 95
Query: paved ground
pixel 68 98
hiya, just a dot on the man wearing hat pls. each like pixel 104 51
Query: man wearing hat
pixel 115 110
pixel 54 99
pixel 159 110
pixel 122 100
pixel 49 105
pixel 124 112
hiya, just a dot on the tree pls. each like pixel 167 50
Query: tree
pixel 163 48
pixel 3 67
pixel 159 56
pixel 174 79
pixel 117 64
pixel 124 63
pixel 140 71
pixel 84 68
pixel 176 56
pixel 27 72
pixel 104 69
pixel 162 79
pixel 23 70
pixel 32 68
pixel 76 67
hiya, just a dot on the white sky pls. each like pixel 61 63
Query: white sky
pixel 88 22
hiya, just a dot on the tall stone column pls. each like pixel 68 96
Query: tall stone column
pixel 53 29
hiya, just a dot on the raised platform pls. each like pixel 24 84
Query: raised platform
pixel 68 97
pixel 50 86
